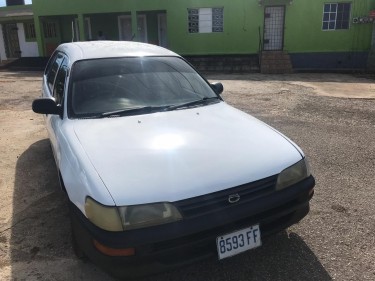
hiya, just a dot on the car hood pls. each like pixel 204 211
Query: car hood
pixel 169 156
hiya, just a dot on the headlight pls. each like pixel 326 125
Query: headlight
pixel 293 174
pixel 139 216
pixel 114 218
pixel 105 217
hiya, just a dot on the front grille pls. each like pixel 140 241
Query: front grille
pixel 216 201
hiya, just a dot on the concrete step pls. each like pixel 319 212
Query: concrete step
pixel 275 62
pixel 225 63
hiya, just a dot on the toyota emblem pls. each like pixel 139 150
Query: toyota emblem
pixel 233 198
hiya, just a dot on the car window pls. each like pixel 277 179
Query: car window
pixel 50 62
pixel 59 86
pixel 51 74
pixel 104 85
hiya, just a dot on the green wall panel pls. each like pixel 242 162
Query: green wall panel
pixel 303 29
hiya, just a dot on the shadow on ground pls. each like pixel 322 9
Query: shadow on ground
pixel 41 242
pixel 282 257
pixel 296 77
pixel 21 74
pixel 40 227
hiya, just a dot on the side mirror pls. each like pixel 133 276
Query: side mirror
pixel 46 106
pixel 217 87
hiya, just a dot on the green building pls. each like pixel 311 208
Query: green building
pixel 235 35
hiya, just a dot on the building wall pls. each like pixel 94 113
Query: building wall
pixel 28 49
pixel 242 21
pixel 303 28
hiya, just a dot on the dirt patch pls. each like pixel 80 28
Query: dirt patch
pixel 330 85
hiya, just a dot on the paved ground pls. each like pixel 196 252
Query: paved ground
pixel 332 117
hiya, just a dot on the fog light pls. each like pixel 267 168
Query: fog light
pixel 112 251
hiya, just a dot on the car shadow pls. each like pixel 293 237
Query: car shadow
pixel 40 242
pixel 281 257
pixel 38 211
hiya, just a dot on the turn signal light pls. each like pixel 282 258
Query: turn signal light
pixel 112 251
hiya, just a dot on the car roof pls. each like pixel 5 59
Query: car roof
pixel 110 49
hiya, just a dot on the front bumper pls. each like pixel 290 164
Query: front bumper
pixel 162 247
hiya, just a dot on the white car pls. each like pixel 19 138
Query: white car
pixel 159 170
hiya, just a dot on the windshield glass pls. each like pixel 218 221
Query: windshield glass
pixel 102 86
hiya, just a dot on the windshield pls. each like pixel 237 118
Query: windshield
pixel 101 87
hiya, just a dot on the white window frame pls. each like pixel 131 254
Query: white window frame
pixel 335 17
pixel 205 20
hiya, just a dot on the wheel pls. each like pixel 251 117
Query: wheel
pixel 75 244
pixel 76 248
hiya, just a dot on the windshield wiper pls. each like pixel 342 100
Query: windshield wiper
pixel 131 111
pixel 205 100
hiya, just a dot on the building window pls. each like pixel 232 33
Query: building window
pixel 336 16
pixel 29 31
pixel 206 20
pixel 50 30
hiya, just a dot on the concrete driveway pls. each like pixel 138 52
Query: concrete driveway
pixel 332 118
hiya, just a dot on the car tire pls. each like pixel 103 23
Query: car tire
pixel 75 244
pixel 77 249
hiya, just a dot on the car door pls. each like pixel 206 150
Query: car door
pixel 54 87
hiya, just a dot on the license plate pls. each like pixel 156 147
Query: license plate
pixel 239 241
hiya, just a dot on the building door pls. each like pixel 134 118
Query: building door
pixel 12 44
pixel 87 28
pixel 125 28
pixel 142 28
pixel 273 38
pixel 51 36
pixel 162 30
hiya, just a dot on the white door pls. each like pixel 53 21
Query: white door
pixel 273 28
pixel 125 28
pixel 87 28
pixel 142 28
pixel 162 30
